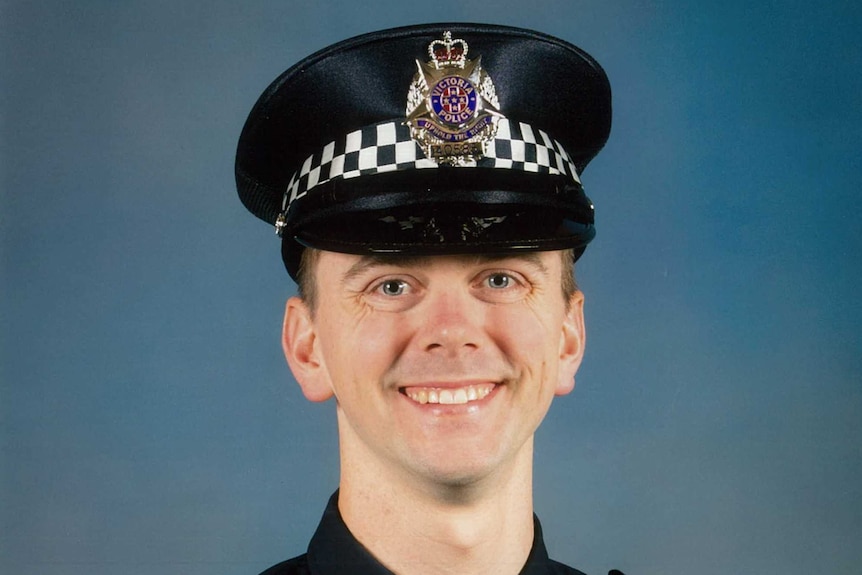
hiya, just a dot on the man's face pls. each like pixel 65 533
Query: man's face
pixel 443 367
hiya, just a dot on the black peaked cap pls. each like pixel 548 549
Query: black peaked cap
pixel 549 94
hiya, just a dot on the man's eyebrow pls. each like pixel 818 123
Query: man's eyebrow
pixel 532 258
pixel 379 260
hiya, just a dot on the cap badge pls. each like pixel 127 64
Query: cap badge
pixel 452 106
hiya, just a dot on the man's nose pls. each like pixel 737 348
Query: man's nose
pixel 452 323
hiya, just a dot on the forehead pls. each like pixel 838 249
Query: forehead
pixel 347 266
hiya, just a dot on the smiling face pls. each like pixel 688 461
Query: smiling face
pixel 443 366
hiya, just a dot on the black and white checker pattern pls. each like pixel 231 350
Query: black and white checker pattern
pixel 388 147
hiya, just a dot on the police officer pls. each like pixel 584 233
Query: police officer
pixel 425 183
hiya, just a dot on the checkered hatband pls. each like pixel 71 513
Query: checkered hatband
pixel 388 147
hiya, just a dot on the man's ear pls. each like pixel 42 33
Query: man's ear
pixel 302 351
pixel 572 340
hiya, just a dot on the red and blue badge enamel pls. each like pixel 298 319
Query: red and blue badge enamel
pixel 453 100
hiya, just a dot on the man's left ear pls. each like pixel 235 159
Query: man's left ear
pixel 572 340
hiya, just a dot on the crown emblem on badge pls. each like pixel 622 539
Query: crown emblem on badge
pixel 452 106
pixel 448 52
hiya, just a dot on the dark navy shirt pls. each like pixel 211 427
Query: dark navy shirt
pixel 334 551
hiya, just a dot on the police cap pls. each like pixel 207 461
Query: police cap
pixel 430 139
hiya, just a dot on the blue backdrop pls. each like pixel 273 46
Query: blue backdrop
pixel 149 425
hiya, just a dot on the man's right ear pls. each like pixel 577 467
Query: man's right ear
pixel 302 351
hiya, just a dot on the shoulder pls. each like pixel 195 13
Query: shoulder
pixel 295 566
pixel 557 568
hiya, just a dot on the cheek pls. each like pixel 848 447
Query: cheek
pixel 374 339
pixel 523 333
pixel 530 340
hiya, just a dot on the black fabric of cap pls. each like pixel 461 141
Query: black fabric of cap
pixel 539 80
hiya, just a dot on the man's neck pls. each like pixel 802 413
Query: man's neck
pixel 417 527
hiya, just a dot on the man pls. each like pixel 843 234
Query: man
pixel 425 182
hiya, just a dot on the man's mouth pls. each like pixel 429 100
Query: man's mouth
pixel 449 396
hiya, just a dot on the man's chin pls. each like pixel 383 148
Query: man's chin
pixel 456 482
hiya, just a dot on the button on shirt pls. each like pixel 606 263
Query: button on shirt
pixel 334 551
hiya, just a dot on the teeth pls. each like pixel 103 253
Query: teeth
pixel 457 396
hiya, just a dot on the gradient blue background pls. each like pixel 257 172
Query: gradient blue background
pixel 149 425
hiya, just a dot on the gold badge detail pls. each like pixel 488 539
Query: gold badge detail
pixel 452 107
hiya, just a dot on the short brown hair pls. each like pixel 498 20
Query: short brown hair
pixel 305 277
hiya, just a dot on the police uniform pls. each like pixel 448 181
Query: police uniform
pixel 425 140
pixel 334 551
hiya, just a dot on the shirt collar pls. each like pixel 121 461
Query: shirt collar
pixel 334 551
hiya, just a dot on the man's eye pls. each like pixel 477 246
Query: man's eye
pixel 499 281
pixel 393 287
